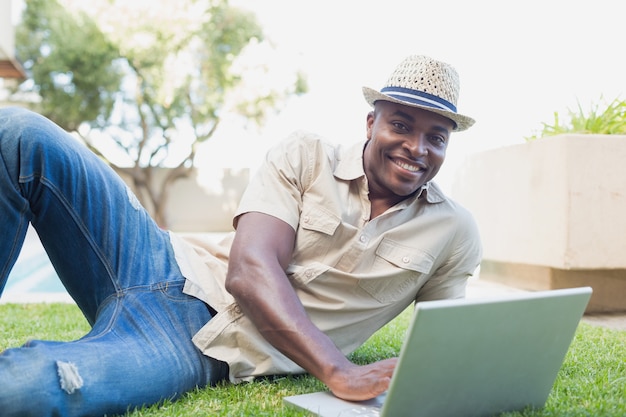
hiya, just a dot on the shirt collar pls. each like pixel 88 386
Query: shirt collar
pixel 349 164
pixel 350 167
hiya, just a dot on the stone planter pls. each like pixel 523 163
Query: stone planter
pixel 552 214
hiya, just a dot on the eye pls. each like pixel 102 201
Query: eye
pixel 399 126
pixel 438 139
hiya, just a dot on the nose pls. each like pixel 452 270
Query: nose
pixel 417 146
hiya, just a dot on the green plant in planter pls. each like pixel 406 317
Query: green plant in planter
pixel 611 121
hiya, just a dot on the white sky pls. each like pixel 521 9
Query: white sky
pixel 518 61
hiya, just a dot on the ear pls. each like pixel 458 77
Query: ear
pixel 369 124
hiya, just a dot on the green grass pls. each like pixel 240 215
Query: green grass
pixel 611 120
pixel 592 381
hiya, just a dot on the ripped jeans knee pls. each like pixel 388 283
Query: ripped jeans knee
pixel 69 377
pixel 30 383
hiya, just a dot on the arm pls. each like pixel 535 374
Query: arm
pixel 450 280
pixel 256 278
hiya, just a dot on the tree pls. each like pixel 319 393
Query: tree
pixel 152 81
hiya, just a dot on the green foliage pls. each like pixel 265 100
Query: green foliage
pixel 592 381
pixel 71 64
pixel 149 80
pixel 610 121
pixel 221 39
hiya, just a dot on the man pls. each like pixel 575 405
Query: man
pixel 330 245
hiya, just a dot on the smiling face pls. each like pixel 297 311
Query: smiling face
pixel 406 147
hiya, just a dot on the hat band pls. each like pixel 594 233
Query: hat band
pixel 419 97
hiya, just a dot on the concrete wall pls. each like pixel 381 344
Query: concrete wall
pixel 558 202
pixel 7 36
pixel 193 207
pixel 552 214
pixel 9 67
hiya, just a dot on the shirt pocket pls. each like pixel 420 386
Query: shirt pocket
pixel 220 324
pixel 315 232
pixel 301 276
pixel 397 269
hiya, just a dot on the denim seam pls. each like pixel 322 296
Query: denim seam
pixel 118 297
pixel 14 248
pixel 161 286
pixel 84 230
pixel 112 319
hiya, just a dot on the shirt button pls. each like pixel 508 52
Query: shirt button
pixel 406 259
pixel 308 273
pixel 362 239
pixel 306 219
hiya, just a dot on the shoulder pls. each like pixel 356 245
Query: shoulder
pixel 305 152
pixel 454 210
pixel 302 142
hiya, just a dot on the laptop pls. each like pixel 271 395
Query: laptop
pixel 472 357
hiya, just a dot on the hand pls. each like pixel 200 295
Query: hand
pixel 359 383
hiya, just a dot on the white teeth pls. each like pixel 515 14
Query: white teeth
pixel 406 166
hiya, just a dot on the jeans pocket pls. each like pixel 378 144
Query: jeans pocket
pixel 173 290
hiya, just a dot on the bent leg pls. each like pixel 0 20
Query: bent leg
pixel 141 355
pixel 14 210
pixel 97 236
pixel 118 266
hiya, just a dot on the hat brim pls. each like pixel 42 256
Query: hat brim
pixel 462 122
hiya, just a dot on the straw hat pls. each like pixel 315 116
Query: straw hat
pixel 420 81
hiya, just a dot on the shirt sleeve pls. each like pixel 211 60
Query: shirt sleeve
pixel 450 279
pixel 277 187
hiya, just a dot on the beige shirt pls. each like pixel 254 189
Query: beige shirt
pixel 352 274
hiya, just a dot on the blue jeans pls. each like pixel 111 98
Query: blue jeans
pixel 115 262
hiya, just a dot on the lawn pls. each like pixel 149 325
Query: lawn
pixel 592 381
